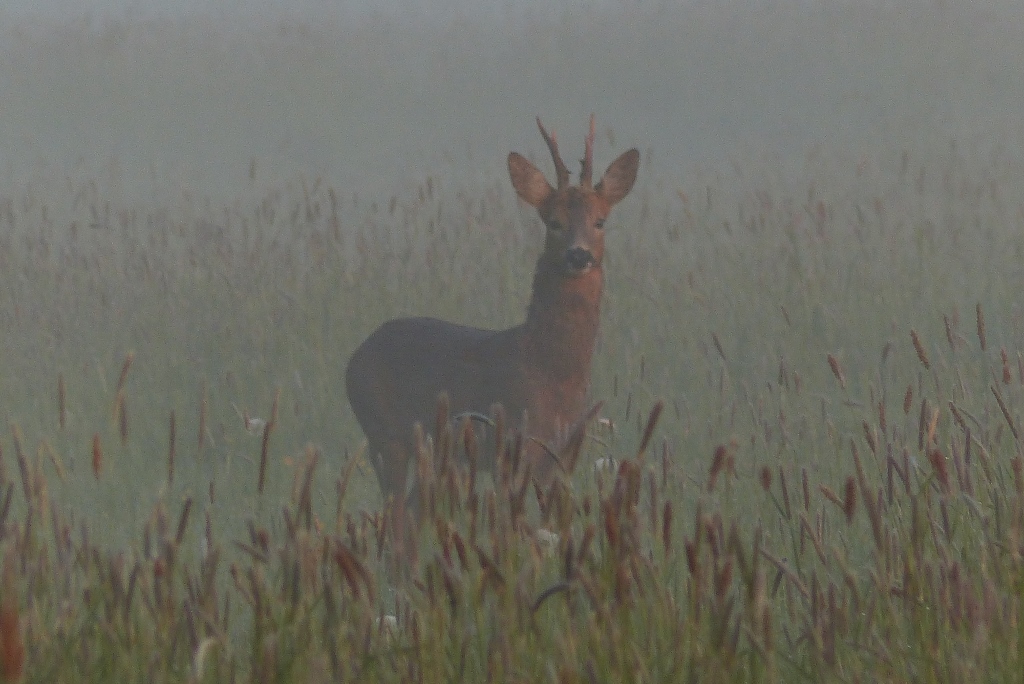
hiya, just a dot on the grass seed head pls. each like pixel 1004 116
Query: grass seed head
pixel 97 456
pixel 938 462
pixel 718 346
pixel 723 580
pixel 125 367
pixel 717 465
pixel 122 418
pixel 806 489
pixel 652 422
pixel 922 355
pixel 837 370
pixel 62 412
pixel 869 436
pixel 981 326
pixel 850 499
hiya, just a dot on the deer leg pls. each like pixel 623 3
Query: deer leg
pixel 392 471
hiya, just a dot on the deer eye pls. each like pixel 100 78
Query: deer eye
pixel 599 223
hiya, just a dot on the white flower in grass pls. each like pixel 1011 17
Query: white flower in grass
pixel 254 426
pixel 546 540
pixel 387 625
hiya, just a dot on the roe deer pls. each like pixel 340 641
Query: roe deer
pixel 541 367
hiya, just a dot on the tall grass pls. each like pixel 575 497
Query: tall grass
pixel 811 433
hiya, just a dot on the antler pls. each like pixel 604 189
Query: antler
pixel 587 163
pixel 560 170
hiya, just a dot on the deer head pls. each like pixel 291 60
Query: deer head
pixel 573 214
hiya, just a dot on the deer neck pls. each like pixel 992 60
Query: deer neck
pixel 562 320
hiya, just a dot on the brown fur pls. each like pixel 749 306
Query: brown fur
pixel 541 367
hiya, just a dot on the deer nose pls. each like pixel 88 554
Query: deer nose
pixel 579 259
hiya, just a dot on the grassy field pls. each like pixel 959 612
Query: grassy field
pixel 832 491
pixel 809 363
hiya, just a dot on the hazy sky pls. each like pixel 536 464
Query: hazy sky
pixel 375 94
pixel 439 9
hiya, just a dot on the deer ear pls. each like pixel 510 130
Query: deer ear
pixel 619 178
pixel 529 182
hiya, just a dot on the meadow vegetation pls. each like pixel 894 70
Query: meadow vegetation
pixel 811 390
pixel 806 464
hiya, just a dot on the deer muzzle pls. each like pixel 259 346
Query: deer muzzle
pixel 579 259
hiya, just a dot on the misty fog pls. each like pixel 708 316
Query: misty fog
pixel 215 99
